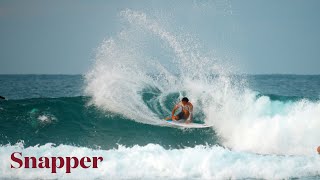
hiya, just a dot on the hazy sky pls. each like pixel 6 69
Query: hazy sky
pixel 59 37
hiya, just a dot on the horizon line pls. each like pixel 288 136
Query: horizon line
pixel 78 74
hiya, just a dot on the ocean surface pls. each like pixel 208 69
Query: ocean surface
pixel 51 114
pixel 263 126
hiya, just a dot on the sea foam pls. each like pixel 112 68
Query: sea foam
pixel 153 161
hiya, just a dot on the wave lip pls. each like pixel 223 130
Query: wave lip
pixel 153 161
pixel 244 121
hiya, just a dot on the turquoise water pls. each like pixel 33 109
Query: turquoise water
pixel 52 108
pixel 57 111
pixel 69 121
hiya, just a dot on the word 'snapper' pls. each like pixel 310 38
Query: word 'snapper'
pixel 54 162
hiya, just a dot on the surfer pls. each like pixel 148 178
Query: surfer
pixel 186 111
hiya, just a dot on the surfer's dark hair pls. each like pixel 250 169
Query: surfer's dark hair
pixel 185 99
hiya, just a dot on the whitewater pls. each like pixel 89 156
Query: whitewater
pixel 241 118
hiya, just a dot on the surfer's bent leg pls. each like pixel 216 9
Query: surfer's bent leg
pixel 179 116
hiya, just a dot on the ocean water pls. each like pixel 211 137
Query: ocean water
pixel 264 126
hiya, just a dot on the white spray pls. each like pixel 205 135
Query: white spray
pixel 243 121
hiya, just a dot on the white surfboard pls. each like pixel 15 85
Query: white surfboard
pixel 187 125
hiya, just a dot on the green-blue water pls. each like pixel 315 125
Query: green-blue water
pixel 68 119
pixel 42 109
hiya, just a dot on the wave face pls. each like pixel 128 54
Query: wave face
pixel 70 121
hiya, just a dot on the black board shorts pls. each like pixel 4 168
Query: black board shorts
pixel 181 115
